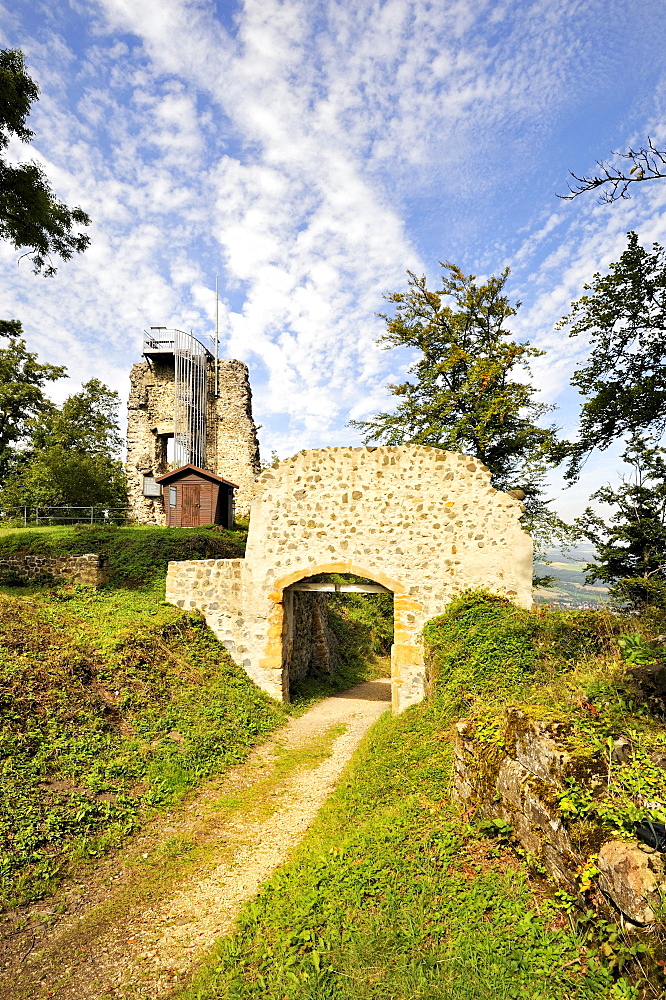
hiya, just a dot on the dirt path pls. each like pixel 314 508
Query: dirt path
pixel 148 917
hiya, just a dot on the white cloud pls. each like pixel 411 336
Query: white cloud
pixel 287 154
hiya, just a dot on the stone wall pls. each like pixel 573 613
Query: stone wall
pixel 424 523
pixel 232 450
pixel 518 776
pixel 310 646
pixel 149 425
pixel 90 569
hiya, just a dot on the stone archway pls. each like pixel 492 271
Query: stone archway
pixel 407 664
pixel 309 645
pixel 424 523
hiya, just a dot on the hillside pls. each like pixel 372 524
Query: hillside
pixel 398 891
pixel 117 707
pixel 116 704
pixel 569 588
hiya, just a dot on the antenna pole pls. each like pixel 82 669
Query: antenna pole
pixel 217 339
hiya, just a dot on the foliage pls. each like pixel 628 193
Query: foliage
pixel 138 555
pixel 74 457
pixel 31 217
pixel 488 655
pixel 60 477
pixel 631 544
pixel 465 395
pixel 648 163
pixel 22 398
pixel 483 642
pixel 373 613
pixel 86 422
pixel 624 378
pixel 112 703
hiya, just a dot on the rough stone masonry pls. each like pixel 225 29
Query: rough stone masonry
pixel 422 522
pixel 232 450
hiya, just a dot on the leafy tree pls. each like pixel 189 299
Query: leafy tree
pixel 631 544
pixel 86 422
pixel 624 378
pixel 31 217
pixel 466 394
pixel 58 477
pixel 647 164
pixel 74 458
pixel 22 399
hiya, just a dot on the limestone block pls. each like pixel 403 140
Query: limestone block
pixel 515 786
pixel 634 880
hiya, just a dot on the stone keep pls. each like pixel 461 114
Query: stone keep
pixel 232 449
pixel 424 523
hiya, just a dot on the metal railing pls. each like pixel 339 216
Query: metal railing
pixel 42 514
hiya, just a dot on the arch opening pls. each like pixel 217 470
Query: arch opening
pixel 337 633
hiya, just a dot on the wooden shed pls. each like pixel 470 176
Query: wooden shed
pixel 194 496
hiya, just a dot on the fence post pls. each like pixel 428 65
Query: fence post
pixel 92 510
pixel 25 517
pixel 36 515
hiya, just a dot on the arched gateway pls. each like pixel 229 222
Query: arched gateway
pixel 422 523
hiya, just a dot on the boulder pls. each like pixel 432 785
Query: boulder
pixel 634 880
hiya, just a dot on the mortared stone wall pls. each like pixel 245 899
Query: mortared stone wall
pixel 424 523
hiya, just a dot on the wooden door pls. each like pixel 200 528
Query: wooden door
pixel 190 506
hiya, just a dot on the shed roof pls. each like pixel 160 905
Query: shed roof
pixel 177 473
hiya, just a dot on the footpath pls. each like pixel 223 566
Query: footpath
pixel 140 923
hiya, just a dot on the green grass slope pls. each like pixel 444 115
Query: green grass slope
pixel 397 892
pixel 137 553
pixel 113 704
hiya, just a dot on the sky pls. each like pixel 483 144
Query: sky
pixel 310 152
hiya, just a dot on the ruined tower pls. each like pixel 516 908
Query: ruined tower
pixel 186 407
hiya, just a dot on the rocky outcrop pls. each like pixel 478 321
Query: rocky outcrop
pixel 633 879
pixel 518 774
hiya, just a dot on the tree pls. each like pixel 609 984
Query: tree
pixel 86 422
pixel 624 378
pixel 648 164
pixel 74 458
pixel 31 217
pixel 631 544
pixel 22 399
pixel 465 395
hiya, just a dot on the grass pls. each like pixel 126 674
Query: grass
pixel 137 554
pixel 589 671
pixel 114 704
pixel 151 870
pixel 398 893
pixel 391 895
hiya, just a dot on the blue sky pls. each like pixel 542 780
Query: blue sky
pixel 311 152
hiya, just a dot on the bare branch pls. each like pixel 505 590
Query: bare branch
pixel 648 164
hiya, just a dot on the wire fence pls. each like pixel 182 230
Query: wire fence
pixel 16 516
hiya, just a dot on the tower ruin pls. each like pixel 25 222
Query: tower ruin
pixel 187 407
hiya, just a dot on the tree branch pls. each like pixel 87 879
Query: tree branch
pixel 649 163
